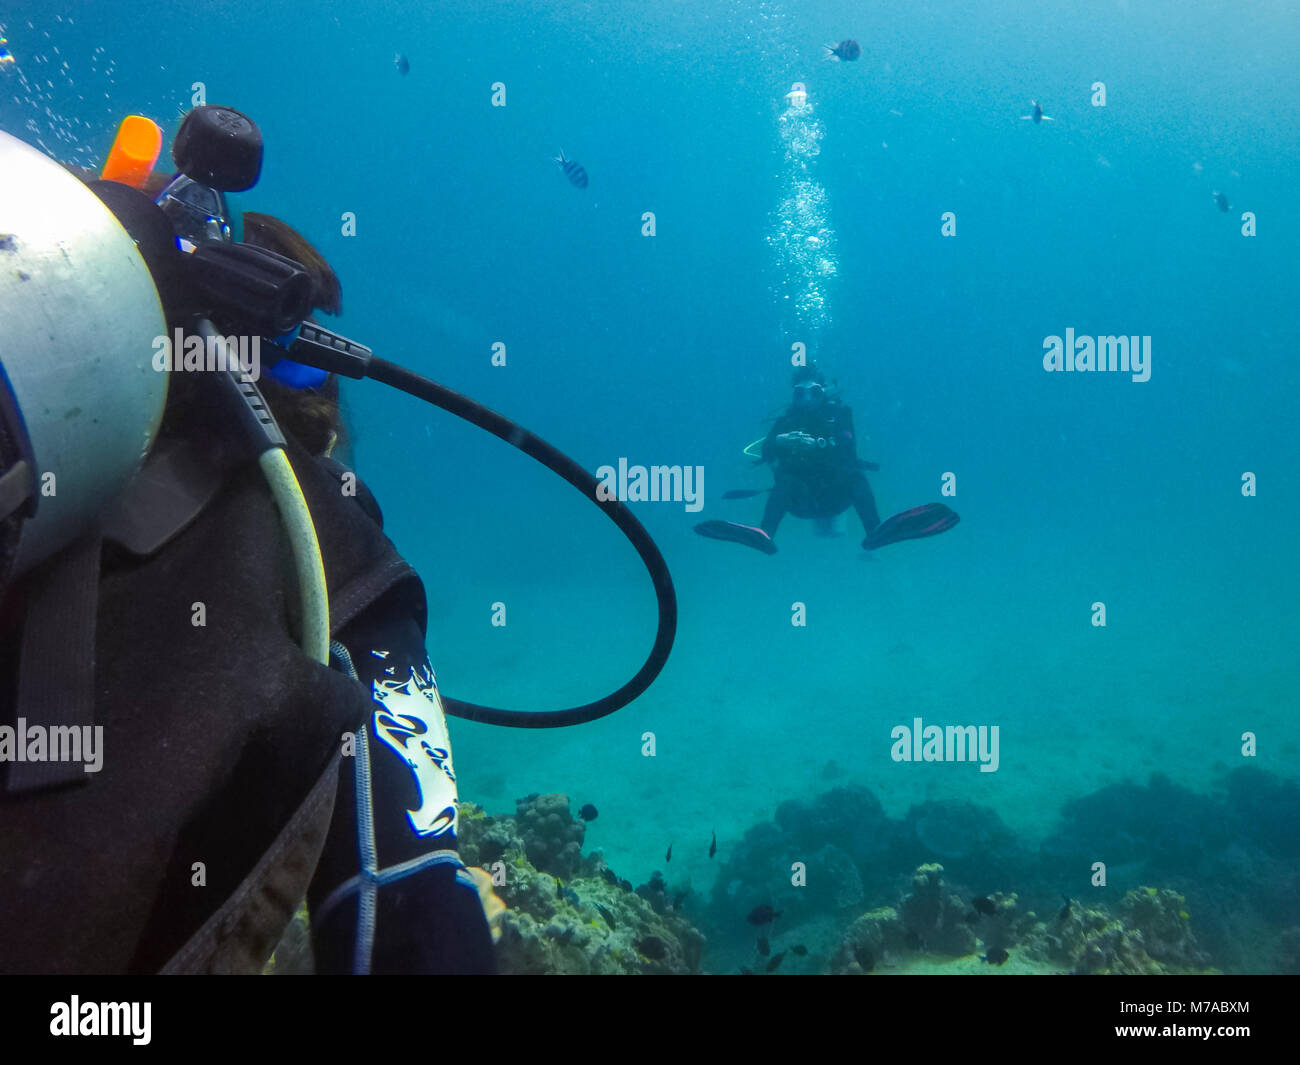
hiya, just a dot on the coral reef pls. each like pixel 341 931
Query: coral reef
pixel 929 920
pixel 871 938
pixel 850 817
pixel 552 836
pixel 846 845
pixel 586 922
pixel 1162 826
pixel 1264 811
pixel 1151 933
pixel 1233 854
pixel 1160 916
pixel 935 920
pixel 852 853
pixel 955 830
pixel 655 891
pixel 840 884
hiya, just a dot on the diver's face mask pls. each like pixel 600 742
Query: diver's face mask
pixel 198 213
pixel 808 394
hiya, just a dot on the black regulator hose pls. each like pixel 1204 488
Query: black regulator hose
pixel 498 425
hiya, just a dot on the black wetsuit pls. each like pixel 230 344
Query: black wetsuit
pixel 821 481
pixel 228 786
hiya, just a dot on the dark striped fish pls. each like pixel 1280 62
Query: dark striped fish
pixel 576 175
pixel 846 50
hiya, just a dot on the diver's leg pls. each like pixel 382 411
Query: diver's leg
pixel 778 505
pixel 864 502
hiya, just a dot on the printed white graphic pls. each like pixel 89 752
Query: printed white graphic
pixel 411 722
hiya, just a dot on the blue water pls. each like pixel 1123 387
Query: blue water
pixel 673 348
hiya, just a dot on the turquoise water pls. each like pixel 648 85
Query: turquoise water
pixel 673 348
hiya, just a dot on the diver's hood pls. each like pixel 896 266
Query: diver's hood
pixel 80 401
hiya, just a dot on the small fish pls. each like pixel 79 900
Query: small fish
pixel 589 813
pixel 609 875
pixel 865 959
pixel 761 915
pixel 576 175
pixel 801 950
pixel 713 847
pixel 402 64
pixel 609 917
pixel 764 947
pixel 776 961
pixel 985 905
pixel 1065 910
pixel 1036 115
pixel 669 856
pixel 996 956
pixel 652 947
pixel 1222 201
pixel 846 50
pixel 559 889
pixel 572 896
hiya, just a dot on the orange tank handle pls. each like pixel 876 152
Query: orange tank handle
pixel 134 152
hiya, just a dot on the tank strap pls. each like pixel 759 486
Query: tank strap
pixel 56 671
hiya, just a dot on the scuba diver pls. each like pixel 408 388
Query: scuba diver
pixel 215 698
pixel 812 449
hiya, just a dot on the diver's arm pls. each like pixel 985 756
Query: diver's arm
pixel 770 446
pixel 776 444
pixel 846 442
pixel 395 815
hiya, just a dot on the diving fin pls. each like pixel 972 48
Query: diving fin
pixel 929 519
pixel 749 535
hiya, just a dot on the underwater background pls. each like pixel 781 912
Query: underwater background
pixel 1121 743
